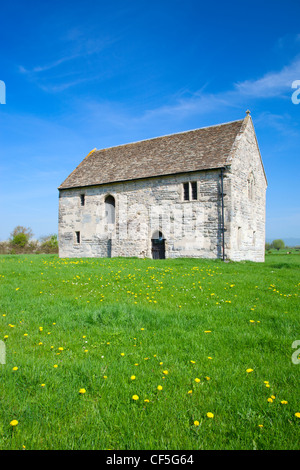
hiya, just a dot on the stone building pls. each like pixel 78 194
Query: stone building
pixel 199 193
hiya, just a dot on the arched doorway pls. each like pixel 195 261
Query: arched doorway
pixel 158 246
pixel 110 209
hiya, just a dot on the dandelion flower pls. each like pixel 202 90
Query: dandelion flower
pixel 15 368
pixel 55 366
pixel 60 348
pixel 122 354
pixel 190 392
pixel 132 377
pixel 270 400
pixel 297 415
pixel 14 422
pixel 196 423
pixel 165 372
pixel 159 387
pixel 82 391
pixel 210 415
pixel 135 397
pixel 42 385
pixel 283 402
pixel 197 380
pixel 249 370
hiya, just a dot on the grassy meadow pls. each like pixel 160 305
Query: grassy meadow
pixel 136 354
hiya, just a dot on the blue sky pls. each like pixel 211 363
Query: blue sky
pixel 86 74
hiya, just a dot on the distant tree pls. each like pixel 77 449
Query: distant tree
pixel 268 246
pixel 20 236
pixel 278 244
pixel 49 243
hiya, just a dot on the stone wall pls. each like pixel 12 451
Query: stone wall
pixel 190 228
pixel 245 201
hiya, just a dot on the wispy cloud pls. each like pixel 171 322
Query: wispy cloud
pixel 49 66
pixel 54 76
pixel 271 84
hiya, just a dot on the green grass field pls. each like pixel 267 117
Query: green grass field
pixel 170 354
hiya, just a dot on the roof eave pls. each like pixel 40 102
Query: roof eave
pixel 224 166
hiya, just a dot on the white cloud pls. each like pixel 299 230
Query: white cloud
pixel 271 84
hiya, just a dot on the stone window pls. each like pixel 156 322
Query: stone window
pixel 82 199
pixel 186 191
pixel 194 190
pixel 239 237
pixel 250 186
pixel 110 209
pixel 77 237
pixel 190 191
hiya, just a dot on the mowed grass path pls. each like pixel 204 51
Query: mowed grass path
pixel 167 354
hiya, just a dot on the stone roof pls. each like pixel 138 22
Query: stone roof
pixel 199 149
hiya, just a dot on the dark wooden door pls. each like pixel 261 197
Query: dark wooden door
pixel 158 249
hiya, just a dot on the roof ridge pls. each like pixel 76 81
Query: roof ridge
pixel 169 135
